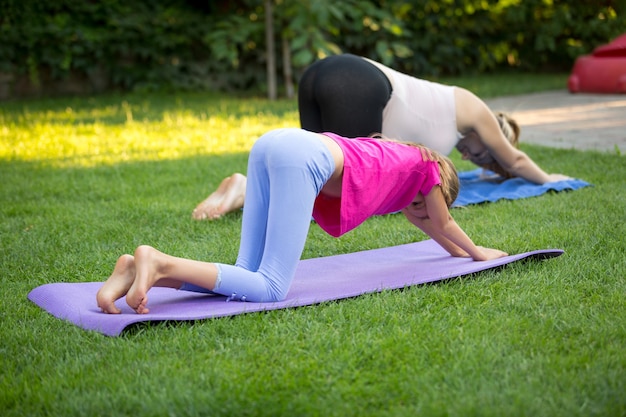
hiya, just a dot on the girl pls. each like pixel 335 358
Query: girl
pixel 293 174
pixel 354 96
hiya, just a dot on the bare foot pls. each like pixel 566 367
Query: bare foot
pixel 228 197
pixel 147 266
pixel 117 285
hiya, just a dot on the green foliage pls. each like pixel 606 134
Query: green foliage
pixel 190 45
pixel 461 36
pixel 331 27
pixel 561 30
pixel 134 45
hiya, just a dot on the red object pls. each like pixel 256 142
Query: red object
pixel 604 71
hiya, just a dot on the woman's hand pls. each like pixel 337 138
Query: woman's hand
pixel 557 177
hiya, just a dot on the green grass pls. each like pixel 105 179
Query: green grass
pixel 508 84
pixel 85 180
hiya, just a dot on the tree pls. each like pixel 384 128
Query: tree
pixel 270 50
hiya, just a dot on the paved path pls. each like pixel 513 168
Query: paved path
pixel 563 120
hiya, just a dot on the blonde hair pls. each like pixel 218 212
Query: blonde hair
pixel 450 184
pixel 448 174
pixel 511 131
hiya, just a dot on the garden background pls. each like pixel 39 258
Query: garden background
pixel 158 101
pixel 70 46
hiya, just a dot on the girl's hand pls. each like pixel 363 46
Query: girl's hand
pixel 490 254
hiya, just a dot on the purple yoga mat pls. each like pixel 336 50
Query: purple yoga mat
pixel 317 280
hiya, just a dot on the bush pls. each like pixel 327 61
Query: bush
pixel 92 46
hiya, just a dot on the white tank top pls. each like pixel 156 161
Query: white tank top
pixel 420 111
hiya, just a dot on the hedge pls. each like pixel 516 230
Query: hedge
pixel 81 46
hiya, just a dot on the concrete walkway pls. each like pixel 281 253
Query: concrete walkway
pixel 563 120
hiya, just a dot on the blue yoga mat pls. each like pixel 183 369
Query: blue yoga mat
pixel 476 188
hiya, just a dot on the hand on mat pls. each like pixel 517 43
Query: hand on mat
pixel 558 177
pixel 492 253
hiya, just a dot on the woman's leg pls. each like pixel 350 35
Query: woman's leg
pixel 228 197
pixel 343 94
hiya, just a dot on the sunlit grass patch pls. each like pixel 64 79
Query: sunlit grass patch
pixel 147 127
pixel 136 128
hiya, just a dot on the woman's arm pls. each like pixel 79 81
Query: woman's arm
pixel 442 228
pixel 474 114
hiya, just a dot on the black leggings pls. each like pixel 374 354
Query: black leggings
pixel 343 94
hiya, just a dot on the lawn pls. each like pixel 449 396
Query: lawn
pixel 87 179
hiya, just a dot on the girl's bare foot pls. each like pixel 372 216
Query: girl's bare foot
pixel 148 264
pixel 228 197
pixel 117 285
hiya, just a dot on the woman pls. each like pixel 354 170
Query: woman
pixel 354 96
pixel 294 174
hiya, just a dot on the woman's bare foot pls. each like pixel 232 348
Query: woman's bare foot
pixel 117 285
pixel 228 197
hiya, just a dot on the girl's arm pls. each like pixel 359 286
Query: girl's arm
pixel 441 227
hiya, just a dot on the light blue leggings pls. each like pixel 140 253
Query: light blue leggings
pixel 287 168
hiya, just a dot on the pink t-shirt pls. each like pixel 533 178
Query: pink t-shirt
pixel 379 177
